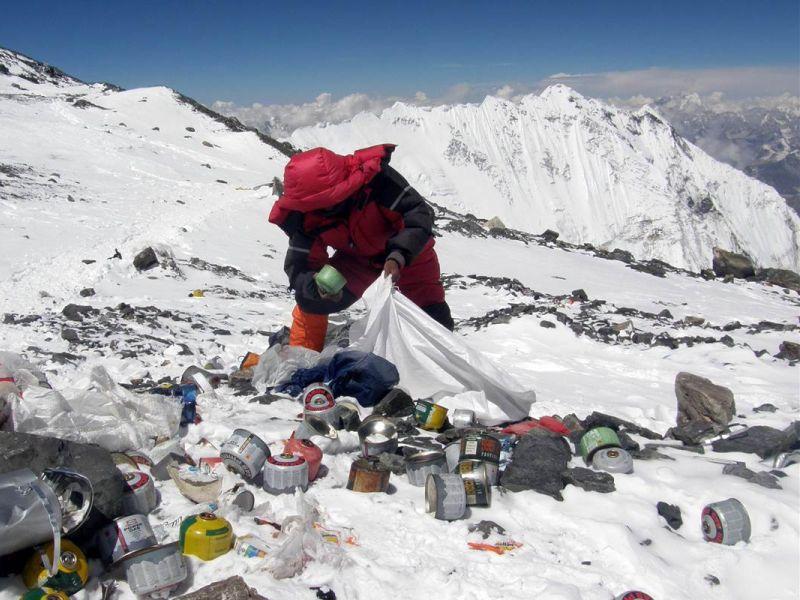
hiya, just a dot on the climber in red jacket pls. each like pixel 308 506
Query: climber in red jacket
pixel 373 219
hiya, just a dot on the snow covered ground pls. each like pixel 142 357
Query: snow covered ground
pixel 132 186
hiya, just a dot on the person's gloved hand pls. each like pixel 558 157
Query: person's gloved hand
pixel 391 268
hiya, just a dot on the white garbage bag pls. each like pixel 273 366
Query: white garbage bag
pixel 278 364
pixel 432 361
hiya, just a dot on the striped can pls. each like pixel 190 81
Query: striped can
pixel 124 537
pixel 318 401
pixel 140 496
pixel 726 522
pixel 445 496
pixel 476 482
pixel 244 453
pixel 285 473
pixel 205 536
pixel 156 572
pixel 429 415
pixel 480 446
pixel 72 574
pixel 612 460
pixel 368 475
pixel 634 595
pixel 421 464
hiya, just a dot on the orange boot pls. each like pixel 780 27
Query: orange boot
pixel 308 330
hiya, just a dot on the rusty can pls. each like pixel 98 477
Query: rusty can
pixel 480 446
pixel 124 537
pixel 244 453
pixel 368 475
pixel 140 496
pixel 476 482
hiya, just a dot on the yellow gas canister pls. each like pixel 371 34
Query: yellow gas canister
pixel 205 536
pixel 73 570
pixel 44 593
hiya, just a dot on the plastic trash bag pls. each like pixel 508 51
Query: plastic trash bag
pixel 432 361
pixel 278 364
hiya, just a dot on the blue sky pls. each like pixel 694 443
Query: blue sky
pixel 283 52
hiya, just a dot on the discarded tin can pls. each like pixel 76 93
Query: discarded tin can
pixel 346 415
pixel 445 496
pixel 329 280
pixel 156 572
pixel 421 464
pixel 596 439
pixel 308 450
pixel 613 460
pixel 377 435
pixel 311 426
pixel 124 537
pixel 250 546
pixel 726 522
pixel 429 415
pixel 140 496
pixel 318 401
pixel 452 452
pixel 244 453
pixel 44 593
pixel 31 512
pixel 463 418
pixel 476 482
pixel 205 536
pixel 480 446
pixel 634 595
pixel 73 570
pixel 284 473
pixel 368 475
pixel 74 493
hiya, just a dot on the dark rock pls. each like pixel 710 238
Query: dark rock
pixel 76 312
pixel 789 351
pixel 267 398
pixel 694 321
pixel 761 440
pixel 87 292
pixel 647 453
pixel 221 332
pixel 695 432
pixel 579 295
pixel 732 264
pixel 627 442
pixel 69 335
pixel 117 255
pixel 727 340
pixel 778 473
pixel 233 588
pixel 221 181
pixel 665 339
pixel 486 528
pixel 665 314
pixel 707 274
pixel 763 478
pixel 760 353
pixel 549 235
pixel 394 462
pixel 732 326
pixel 190 129
pixel 547 324
pixel 598 419
pixel 146 259
pixel 88 261
pixel 781 277
pixel 652 267
pixel 325 594
pixel 277 186
pixel 396 403
pixel 623 255
pixel 590 480
pixel 770 408
pixel 642 337
pixel 538 463
pixel 701 400
pixel 712 579
pixel 208 144
pixel 671 514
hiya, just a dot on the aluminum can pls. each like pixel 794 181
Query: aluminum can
pixel 725 522
pixel 124 537
pixel 368 475
pixel 44 593
pixel 377 435
pixel 463 418
pixel 480 446
pixel 476 482
pixel 244 453
pixel 140 496
pixel 634 595
pixel 421 464
pixel 205 536
pixel 311 426
pixel 612 460
pixel 285 473
pixel 445 497
pixel 596 439
pixel 156 572
pixel 73 570
pixel 429 415
pixel 308 450
pixel 318 401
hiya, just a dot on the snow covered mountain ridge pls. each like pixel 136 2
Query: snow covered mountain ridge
pixel 593 172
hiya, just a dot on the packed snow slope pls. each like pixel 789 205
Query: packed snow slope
pixel 131 169
pixel 592 172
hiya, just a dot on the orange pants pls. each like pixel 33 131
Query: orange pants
pixel 308 330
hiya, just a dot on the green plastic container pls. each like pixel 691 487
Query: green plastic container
pixel 330 281
pixel 596 439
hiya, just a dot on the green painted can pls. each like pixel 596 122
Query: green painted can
pixel 596 439
pixel 330 281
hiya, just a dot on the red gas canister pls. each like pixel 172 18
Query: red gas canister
pixel 308 450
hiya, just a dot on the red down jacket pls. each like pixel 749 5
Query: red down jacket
pixel 367 212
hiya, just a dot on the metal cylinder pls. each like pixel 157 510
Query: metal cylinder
pixel 30 513
pixel 244 453
pixel 311 426
pixel 205 536
pixel 124 537
pixel 44 593
pixel 612 460
pixel 429 415
pixel 596 439
pixel 463 418
pixel 285 473
pixel 318 401
pixel 377 435
pixel 308 450
pixel 476 482
pixel 140 496
pixel 156 572
pixel 421 464
pixel 480 446
pixel 368 475
pixel 445 497
pixel 72 573
pixel 726 522
pixel 634 595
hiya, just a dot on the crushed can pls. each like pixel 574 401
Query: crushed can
pixel 124 537
pixel 725 522
pixel 476 482
pixel 44 593
pixel 156 572
pixel 318 401
pixel 308 450
pixel 72 574
pixel 445 496
pixel 367 475
pixel 205 536
pixel 597 439
pixel 421 464
pixel 285 473
pixel 634 595
pixel 244 453
pixel 140 496
pixel 429 416
pixel 613 460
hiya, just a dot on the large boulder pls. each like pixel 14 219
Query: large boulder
pixel 789 351
pixel 233 588
pixel 539 461
pixel 761 440
pixel 781 277
pixel 730 263
pixel 146 259
pixel 701 400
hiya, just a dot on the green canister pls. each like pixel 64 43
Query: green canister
pixel 330 281
pixel 595 439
